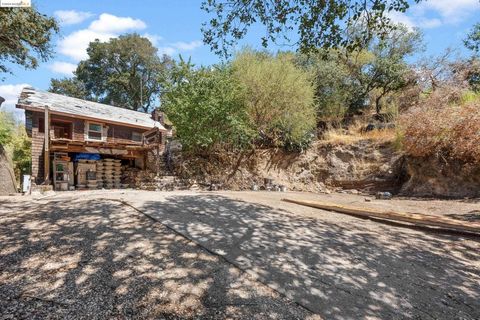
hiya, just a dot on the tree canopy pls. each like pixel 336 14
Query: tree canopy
pixel 25 37
pixel 472 41
pixel 71 87
pixel 125 72
pixel 14 139
pixel 279 97
pixel 258 98
pixel 307 24
pixel 348 81
pixel 7 125
pixel 206 105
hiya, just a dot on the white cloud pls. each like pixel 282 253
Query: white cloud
pixel 65 68
pixel 429 23
pixel 108 23
pixel 166 50
pixel 450 11
pixel 75 44
pixel 69 17
pixel 105 27
pixel 10 93
pixel 154 39
pixel 187 46
pixel 401 18
pixel 412 22
pixel 180 46
pixel 434 13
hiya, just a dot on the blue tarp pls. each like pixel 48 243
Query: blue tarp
pixel 86 156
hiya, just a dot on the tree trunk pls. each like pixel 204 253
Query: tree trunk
pixel 378 107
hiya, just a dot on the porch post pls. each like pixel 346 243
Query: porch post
pixel 46 154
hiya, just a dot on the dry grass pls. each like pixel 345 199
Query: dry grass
pixel 355 134
pixel 442 127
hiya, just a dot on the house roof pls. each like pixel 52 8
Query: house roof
pixel 33 99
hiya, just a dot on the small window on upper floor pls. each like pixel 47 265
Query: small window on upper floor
pixel 136 136
pixel 41 125
pixel 95 131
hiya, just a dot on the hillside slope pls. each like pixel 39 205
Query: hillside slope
pixel 7 176
pixel 360 166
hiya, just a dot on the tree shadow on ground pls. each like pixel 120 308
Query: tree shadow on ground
pixel 99 259
pixel 338 270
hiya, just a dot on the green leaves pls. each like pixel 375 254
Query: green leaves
pixel 258 98
pixel 206 106
pixel 472 42
pixel 307 24
pixel 71 87
pixel 348 81
pixel 7 127
pixel 125 71
pixel 14 139
pixel 25 37
pixel 279 97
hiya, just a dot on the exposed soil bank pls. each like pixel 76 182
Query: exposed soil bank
pixel 7 176
pixel 436 177
pixel 365 166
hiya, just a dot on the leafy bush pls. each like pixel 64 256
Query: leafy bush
pixel 442 127
pixel 333 88
pixel 15 140
pixel 21 152
pixel 279 97
pixel 206 106
pixel 7 126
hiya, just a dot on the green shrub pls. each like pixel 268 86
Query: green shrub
pixel 207 108
pixel 14 139
pixel 279 97
pixel 7 127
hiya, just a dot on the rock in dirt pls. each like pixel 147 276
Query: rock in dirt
pixel 383 195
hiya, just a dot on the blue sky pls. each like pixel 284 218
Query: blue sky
pixel 174 27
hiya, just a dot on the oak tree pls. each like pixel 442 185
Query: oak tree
pixel 308 24
pixel 25 37
pixel 125 71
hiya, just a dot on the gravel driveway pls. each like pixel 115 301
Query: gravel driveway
pixel 337 266
pixel 98 259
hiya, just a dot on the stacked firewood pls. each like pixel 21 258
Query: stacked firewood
pixel 110 172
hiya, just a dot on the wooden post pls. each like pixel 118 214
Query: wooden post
pixel 46 153
pixel 158 140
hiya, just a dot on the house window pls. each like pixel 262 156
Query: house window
pixel 41 125
pixel 136 136
pixel 94 131
pixel 61 129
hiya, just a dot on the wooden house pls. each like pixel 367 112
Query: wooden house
pixel 66 125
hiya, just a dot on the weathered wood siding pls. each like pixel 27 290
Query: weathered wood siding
pixel 38 139
pixel 116 134
pixel 78 128
pixel 122 134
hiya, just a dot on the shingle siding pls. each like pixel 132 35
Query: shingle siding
pixel 115 134
pixel 38 139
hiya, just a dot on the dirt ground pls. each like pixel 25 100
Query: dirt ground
pixel 231 255
pixel 97 259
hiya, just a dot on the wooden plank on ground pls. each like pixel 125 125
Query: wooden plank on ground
pixel 414 218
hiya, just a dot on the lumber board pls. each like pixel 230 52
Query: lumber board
pixel 414 218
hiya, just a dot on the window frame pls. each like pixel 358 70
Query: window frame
pixel 87 131
pixel 140 135
pixel 69 124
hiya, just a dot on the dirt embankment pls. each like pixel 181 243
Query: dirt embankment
pixel 7 176
pixel 323 167
pixel 438 177
pixel 361 166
